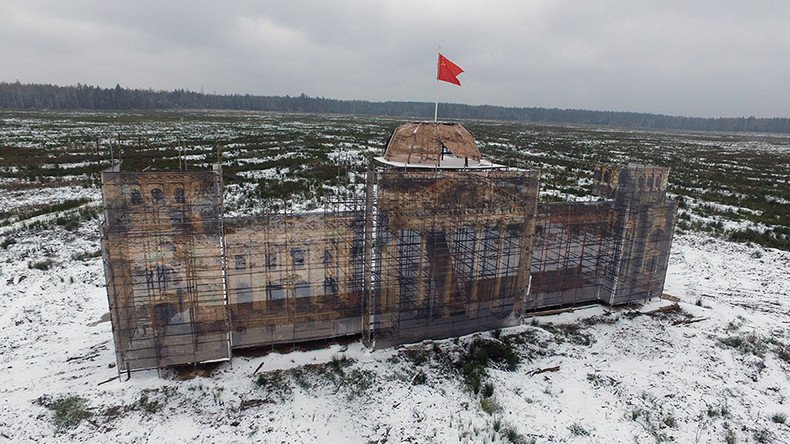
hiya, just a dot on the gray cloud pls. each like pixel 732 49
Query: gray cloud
pixel 704 58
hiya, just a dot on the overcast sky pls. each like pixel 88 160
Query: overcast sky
pixel 687 57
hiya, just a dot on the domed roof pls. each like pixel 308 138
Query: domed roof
pixel 423 143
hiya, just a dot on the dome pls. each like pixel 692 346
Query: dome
pixel 430 143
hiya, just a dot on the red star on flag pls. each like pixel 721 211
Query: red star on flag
pixel 447 71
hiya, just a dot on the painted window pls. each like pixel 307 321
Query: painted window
pixel 301 289
pixel 275 291
pixel 180 195
pixel 241 262
pixel 270 260
pixel 158 195
pixel 297 257
pixel 244 296
pixel 330 286
pixel 137 197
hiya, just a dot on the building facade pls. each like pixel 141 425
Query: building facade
pixel 444 244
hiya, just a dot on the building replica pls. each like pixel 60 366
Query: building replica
pixel 444 244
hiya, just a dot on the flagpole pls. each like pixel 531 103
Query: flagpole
pixel 436 108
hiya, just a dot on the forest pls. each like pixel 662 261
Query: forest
pixel 19 96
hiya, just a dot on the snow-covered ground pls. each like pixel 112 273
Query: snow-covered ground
pixel 708 371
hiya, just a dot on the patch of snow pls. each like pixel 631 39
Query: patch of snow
pixel 640 373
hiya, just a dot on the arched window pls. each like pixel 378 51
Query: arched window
pixel 158 195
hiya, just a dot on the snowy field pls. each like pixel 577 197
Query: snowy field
pixel 713 367
pixel 718 366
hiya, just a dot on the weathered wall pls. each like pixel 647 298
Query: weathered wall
pixel 453 252
pixel 161 243
pixel 294 278
pixel 613 251
pixel 431 254
pixel 643 227
pixel 424 142
pixel 571 253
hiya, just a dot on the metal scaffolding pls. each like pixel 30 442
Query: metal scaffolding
pixel 163 262
pixel 614 251
pixel 422 254
pixel 572 242
pixel 295 277
pixel 452 252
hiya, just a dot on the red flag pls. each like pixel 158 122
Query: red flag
pixel 448 70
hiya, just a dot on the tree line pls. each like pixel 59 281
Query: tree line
pixel 18 96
